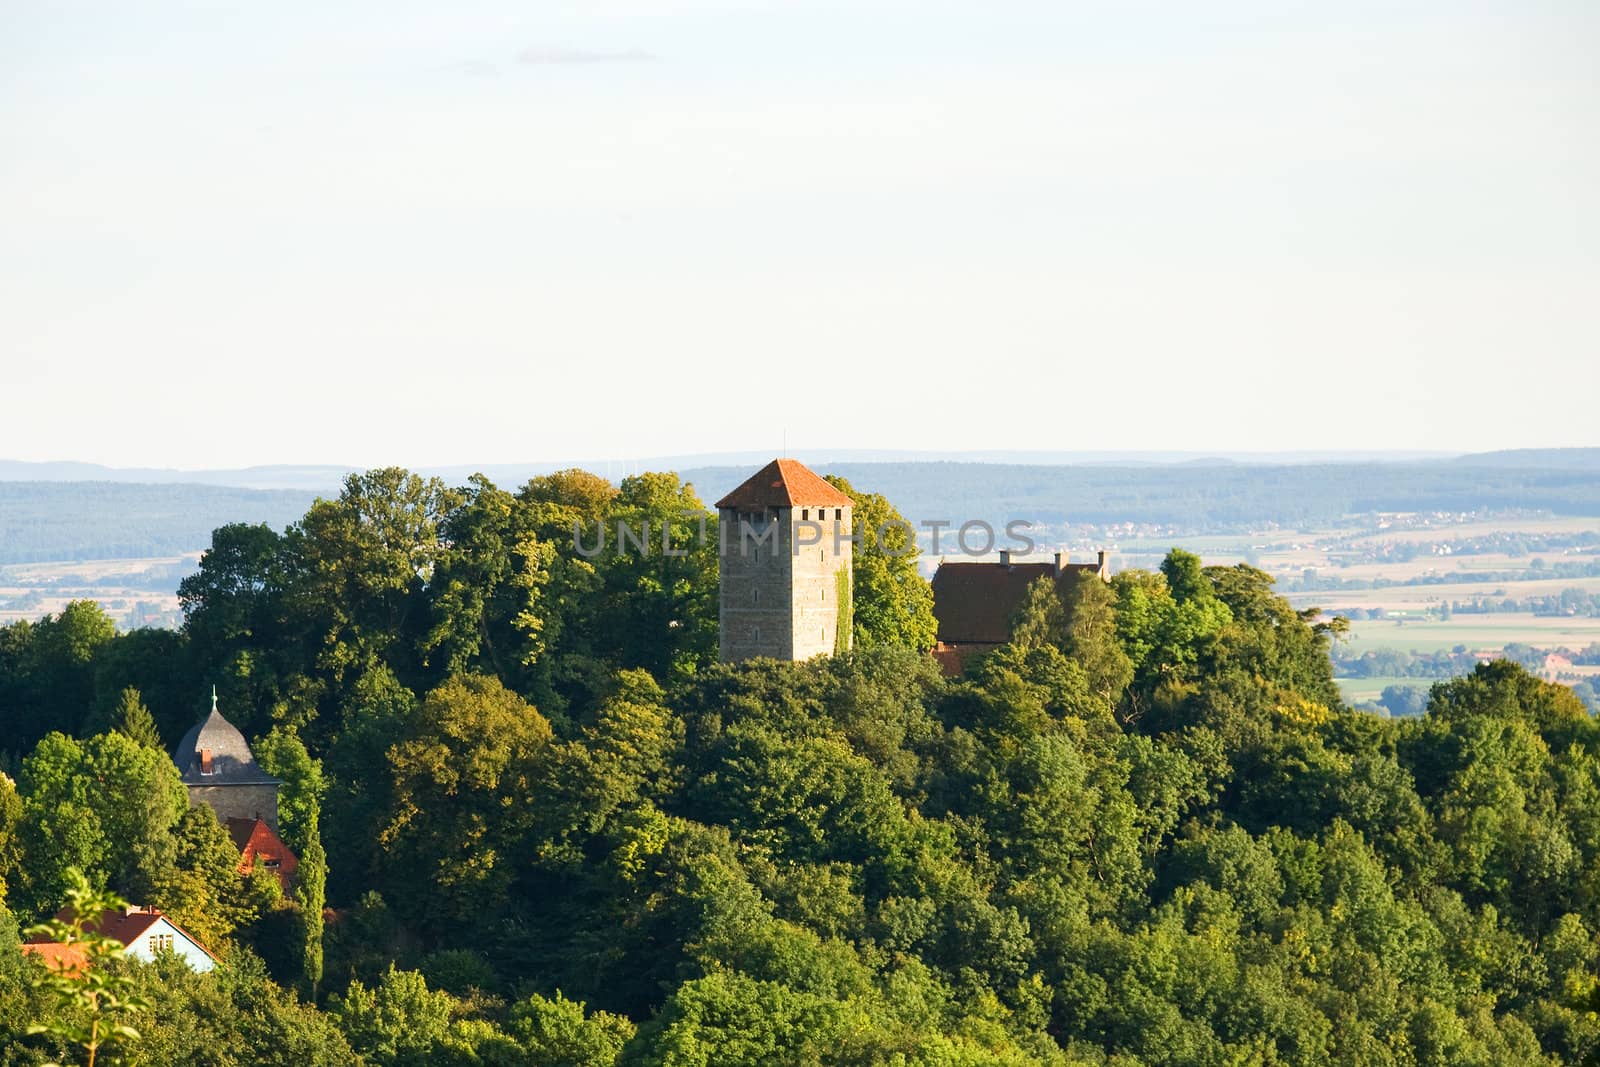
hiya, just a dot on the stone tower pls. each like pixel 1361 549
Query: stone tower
pixel 217 768
pixel 784 564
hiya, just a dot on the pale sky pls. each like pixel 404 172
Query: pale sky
pixel 430 233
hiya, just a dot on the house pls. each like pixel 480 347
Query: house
pixel 1555 665
pixel 974 603
pixel 143 933
pixel 259 844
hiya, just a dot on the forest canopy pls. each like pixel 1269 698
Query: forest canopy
pixel 539 823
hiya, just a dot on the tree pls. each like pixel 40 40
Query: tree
pixel 51 668
pixel 1091 637
pixel 401 1023
pixel 892 602
pixel 559 1033
pixel 133 720
pixel 360 567
pixel 459 779
pixel 1040 620
pixel 282 754
pixel 107 806
pixel 310 893
pixel 91 1000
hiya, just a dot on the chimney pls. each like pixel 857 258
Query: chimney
pixel 1105 564
pixel 1005 557
pixel 1061 563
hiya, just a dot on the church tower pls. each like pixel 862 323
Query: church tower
pixel 220 772
pixel 784 565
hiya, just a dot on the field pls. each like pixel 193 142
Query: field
pixel 1364 690
pixel 135 592
pixel 1476 632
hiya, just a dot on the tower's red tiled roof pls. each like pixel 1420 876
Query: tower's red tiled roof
pixel 784 483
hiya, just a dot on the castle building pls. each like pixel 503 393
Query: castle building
pixel 784 566
pixel 974 603
pixel 216 766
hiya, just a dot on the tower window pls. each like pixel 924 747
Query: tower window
pixel 205 761
pixel 755 596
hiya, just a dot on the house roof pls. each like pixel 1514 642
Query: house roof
pixel 68 959
pixel 975 602
pixel 231 761
pixel 122 925
pixel 784 483
pixel 254 838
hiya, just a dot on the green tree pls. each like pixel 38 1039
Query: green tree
pixel 892 602
pixel 557 1032
pixel 310 894
pixel 134 720
pixel 459 779
pixel 1040 620
pixel 1091 637
pixel 91 1002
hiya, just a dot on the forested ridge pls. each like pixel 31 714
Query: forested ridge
pixel 550 828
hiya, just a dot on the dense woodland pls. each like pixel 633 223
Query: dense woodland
pixel 540 824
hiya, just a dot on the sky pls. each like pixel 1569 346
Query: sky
pixel 421 233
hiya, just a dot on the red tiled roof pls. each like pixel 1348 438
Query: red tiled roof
pixel 255 839
pixel 126 925
pixel 67 959
pixel 122 926
pixel 784 483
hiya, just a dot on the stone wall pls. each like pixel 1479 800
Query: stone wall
pixel 239 802
pixel 778 597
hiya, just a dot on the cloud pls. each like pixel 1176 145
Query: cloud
pixel 543 56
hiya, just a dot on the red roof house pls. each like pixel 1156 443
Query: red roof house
pixel 258 844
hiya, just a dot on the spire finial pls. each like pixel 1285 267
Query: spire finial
pixel 213 698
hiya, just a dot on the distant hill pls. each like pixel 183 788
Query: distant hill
pixel 326 478
pixel 1197 498
pixel 45 521
pixel 68 519
pixel 1587 459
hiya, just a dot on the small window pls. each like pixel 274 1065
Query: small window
pixel 205 761
pixel 758 635
pixel 755 596
pixel 805 513
pixel 822 594
pixel 838 513
pixel 821 554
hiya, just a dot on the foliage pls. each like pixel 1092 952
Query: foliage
pixel 87 1000
pixel 557 831
pixel 893 604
